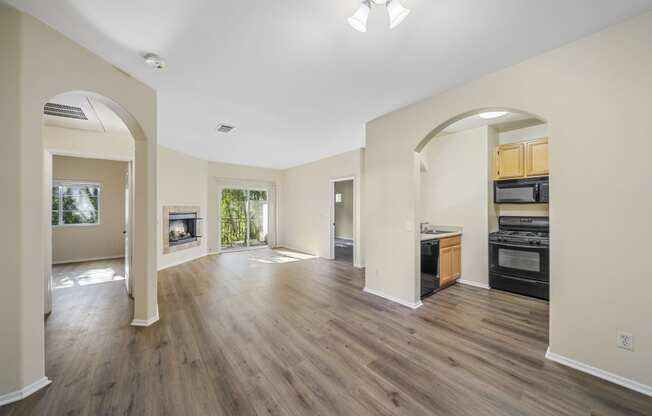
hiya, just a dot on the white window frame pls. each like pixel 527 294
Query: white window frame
pixel 58 183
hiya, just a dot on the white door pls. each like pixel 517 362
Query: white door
pixel 126 230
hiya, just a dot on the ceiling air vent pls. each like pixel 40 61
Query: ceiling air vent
pixel 67 111
pixel 224 128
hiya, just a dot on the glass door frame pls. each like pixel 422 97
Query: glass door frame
pixel 270 190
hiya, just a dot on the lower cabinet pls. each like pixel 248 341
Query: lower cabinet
pixel 450 260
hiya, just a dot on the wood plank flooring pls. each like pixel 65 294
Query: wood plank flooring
pixel 266 333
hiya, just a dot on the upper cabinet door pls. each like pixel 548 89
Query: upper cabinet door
pixel 536 160
pixel 509 161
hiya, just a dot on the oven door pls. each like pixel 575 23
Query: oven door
pixel 516 193
pixel 530 262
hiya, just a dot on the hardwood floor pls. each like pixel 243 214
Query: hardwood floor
pixel 261 332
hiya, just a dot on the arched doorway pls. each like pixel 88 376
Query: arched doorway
pixel 455 171
pixel 137 270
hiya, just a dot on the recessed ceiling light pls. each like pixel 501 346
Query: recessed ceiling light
pixel 154 61
pixel 492 114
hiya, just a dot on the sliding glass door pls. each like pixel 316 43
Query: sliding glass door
pixel 244 218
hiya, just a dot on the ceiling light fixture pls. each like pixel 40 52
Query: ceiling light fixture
pixel 397 13
pixel 492 114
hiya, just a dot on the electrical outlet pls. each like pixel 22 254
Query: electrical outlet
pixel 625 341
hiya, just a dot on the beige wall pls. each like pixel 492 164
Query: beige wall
pixel 344 210
pixel 14 332
pixel 520 135
pixel 182 180
pixel 306 203
pixel 85 143
pixel 32 71
pixel 454 193
pixel 105 240
pixel 598 286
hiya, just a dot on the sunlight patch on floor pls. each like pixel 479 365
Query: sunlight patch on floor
pixel 86 278
pixel 280 256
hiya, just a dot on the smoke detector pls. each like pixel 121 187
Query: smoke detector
pixel 154 61
pixel 225 128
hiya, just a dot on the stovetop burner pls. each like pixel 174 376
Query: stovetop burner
pixel 522 230
pixel 523 233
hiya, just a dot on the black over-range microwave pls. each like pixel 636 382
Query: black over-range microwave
pixel 522 191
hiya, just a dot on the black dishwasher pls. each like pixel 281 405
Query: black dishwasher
pixel 429 267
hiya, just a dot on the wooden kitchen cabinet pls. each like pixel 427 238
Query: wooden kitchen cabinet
pixel 509 161
pixel 521 160
pixel 450 260
pixel 536 158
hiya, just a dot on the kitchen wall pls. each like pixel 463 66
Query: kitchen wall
pixel 306 204
pixel 88 242
pixel 597 288
pixel 344 210
pixel 454 192
pixel 525 134
pixel 182 180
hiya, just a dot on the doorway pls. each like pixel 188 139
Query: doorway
pixel 244 219
pixel 343 219
pixel 88 165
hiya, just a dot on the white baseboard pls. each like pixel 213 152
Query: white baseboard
pixel 14 396
pixel 402 302
pixel 146 322
pixel 88 259
pixel 605 375
pixel 472 283
pixel 177 263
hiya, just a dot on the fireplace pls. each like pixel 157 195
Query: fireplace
pixel 181 228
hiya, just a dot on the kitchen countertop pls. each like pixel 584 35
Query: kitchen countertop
pixel 426 237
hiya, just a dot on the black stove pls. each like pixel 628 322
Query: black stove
pixel 519 256
pixel 521 237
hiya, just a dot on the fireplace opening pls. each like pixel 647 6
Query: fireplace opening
pixel 183 228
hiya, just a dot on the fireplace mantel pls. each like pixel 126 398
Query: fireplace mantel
pixel 169 247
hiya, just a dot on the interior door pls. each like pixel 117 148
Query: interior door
pixel 127 229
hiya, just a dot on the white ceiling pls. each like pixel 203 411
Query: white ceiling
pixel 292 76
pixel 100 118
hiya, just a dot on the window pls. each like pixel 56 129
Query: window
pixel 75 203
pixel 338 198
